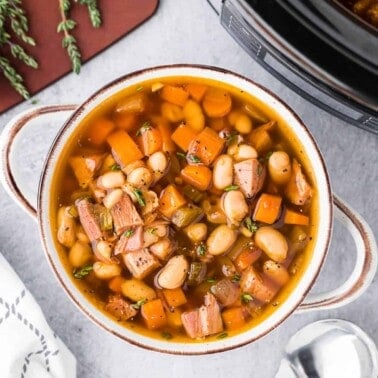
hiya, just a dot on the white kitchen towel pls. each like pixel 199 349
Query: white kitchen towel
pixel 28 346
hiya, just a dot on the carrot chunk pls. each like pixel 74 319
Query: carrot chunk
pixel 170 200
pixel 198 176
pixel 293 217
pixel 124 149
pixel 165 132
pixel 206 146
pixel 196 90
pixel 153 314
pixel 267 208
pixel 115 284
pixel 85 166
pixel 261 139
pixel 183 135
pixel 150 140
pixel 233 318
pixel 126 121
pixel 174 297
pixel 99 130
pixel 217 102
pixel 247 257
pixel 174 95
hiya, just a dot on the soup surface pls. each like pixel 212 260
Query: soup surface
pixel 366 9
pixel 184 209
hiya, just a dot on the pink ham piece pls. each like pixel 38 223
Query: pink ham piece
pixel 204 321
pixel 140 263
pixel 249 175
pixel 192 324
pixel 127 243
pixel 88 219
pixel 125 215
pixel 120 307
pixel 258 285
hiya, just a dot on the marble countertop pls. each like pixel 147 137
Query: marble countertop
pixel 190 32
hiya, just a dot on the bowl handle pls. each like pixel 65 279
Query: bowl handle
pixel 364 269
pixel 13 138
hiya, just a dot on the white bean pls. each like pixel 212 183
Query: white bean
pixel 112 198
pixel 272 242
pixel 163 248
pixel 244 152
pixel 221 240
pixel 158 163
pixel 276 272
pixel 140 178
pixel 66 227
pixel 137 290
pixel 173 273
pixel 104 249
pixel 235 206
pixel 196 232
pixel 105 271
pixel 131 166
pixel 81 234
pixel 80 254
pixel 223 172
pixel 243 124
pixel 112 179
pixel 279 167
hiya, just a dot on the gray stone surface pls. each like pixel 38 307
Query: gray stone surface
pixel 189 32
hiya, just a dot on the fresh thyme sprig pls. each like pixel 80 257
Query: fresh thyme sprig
pixel 93 11
pixel 69 41
pixel 14 78
pixel 14 26
pixel 13 20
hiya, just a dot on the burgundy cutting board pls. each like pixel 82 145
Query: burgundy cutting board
pixel 119 17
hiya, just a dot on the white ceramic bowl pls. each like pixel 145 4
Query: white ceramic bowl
pixel 366 248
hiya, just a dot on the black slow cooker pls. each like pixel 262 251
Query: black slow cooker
pixel 318 48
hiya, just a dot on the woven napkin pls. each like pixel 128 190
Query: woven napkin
pixel 28 346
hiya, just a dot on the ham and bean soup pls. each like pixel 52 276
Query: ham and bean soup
pixel 185 210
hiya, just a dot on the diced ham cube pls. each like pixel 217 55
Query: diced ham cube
pixel 191 323
pixel 120 307
pixel 257 285
pixel 89 219
pixel 204 321
pixel 210 316
pixel 130 240
pixel 249 175
pixel 125 215
pixel 140 263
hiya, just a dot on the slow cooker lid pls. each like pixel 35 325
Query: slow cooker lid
pixel 294 53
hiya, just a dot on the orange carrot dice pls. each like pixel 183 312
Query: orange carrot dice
pixel 174 95
pixel 198 176
pixel 99 130
pixel 170 200
pixel 124 149
pixel 207 146
pixel 268 208
pixel 174 297
pixel 183 135
pixel 293 217
pixel 153 314
pixel 233 318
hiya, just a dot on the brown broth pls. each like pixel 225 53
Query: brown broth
pixel 63 184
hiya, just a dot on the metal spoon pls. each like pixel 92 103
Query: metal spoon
pixel 327 349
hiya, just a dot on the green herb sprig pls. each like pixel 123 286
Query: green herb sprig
pixel 14 27
pixel 81 273
pixel 69 41
pixel 93 11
